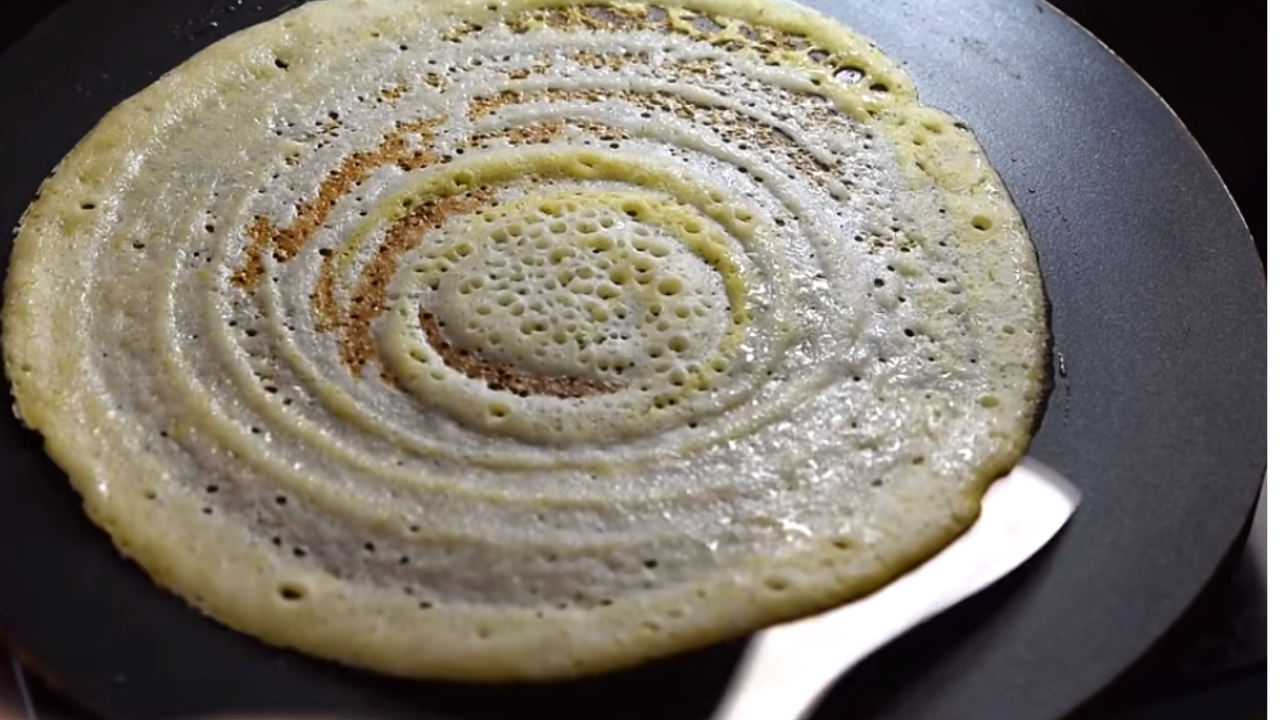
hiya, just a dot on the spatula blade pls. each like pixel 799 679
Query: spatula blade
pixel 788 666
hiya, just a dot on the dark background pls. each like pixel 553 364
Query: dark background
pixel 1207 59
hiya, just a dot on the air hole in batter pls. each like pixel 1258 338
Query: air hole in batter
pixel 292 592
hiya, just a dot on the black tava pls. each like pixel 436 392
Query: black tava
pixel 1159 411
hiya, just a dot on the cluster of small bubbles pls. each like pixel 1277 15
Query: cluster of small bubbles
pixel 572 287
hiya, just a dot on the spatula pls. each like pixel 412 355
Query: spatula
pixel 788 667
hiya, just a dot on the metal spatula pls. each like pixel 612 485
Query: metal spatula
pixel 788 667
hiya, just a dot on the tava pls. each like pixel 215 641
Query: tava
pixel 1158 414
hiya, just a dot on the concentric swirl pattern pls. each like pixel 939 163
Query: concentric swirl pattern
pixel 419 335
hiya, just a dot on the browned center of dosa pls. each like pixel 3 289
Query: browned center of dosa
pixel 501 376
pixel 353 320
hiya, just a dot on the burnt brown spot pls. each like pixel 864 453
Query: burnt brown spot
pixel 322 299
pixel 539 132
pixel 261 235
pixel 544 131
pixel 488 105
pixel 458 32
pixel 737 34
pixel 394 92
pixel 354 324
pixel 599 17
pixel 599 61
pixel 731 124
pixel 285 243
pixel 368 301
pixel 604 132
pixel 501 376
